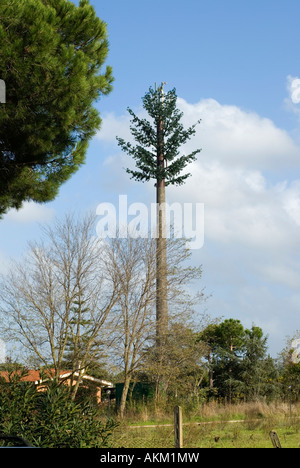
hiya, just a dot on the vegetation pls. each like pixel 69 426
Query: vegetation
pixel 83 304
pixel 119 309
pixel 216 426
pixel 87 305
pixel 49 418
pixel 56 301
pixel 74 300
pixel 51 55
pixel 238 365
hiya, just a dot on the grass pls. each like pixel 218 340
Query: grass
pixel 211 426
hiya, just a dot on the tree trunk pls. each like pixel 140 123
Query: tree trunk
pixel 124 397
pixel 161 246
pixel 210 373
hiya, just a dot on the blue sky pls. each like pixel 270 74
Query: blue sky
pixel 235 65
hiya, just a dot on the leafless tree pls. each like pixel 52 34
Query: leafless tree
pixel 133 261
pixel 38 296
pixel 74 291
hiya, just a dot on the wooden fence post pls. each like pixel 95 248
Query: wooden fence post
pixel 275 439
pixel 178 427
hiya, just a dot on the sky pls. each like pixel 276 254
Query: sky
pixel 235 65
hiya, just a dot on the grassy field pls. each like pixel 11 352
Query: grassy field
pixel 241 426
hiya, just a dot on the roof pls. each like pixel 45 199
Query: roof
pixel 39 377
pixel 104 383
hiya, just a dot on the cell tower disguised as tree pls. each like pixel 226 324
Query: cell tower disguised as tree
pixel 157 157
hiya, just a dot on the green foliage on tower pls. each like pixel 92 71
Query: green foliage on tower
pixel 151 140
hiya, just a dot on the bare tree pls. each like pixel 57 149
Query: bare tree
pixel 74 292
pixel 133 261
pixel 39 294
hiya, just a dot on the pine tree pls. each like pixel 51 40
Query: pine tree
pixel 83 349
pixel 78 340
pixel 157 157
pixel 51 55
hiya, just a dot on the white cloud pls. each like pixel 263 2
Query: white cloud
pixel 242 207
pixel 30 212
pixel 238 138
pixel 283 274
pixel 294 89
pixel 291 201
pixel 292 101
pixel 113 126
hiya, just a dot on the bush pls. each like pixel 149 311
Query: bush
pixel 50 418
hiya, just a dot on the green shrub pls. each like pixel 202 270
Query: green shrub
pixel 50 418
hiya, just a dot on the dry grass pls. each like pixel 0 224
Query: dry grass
pixel 213 411
pixel 252 410
pixel 211 426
